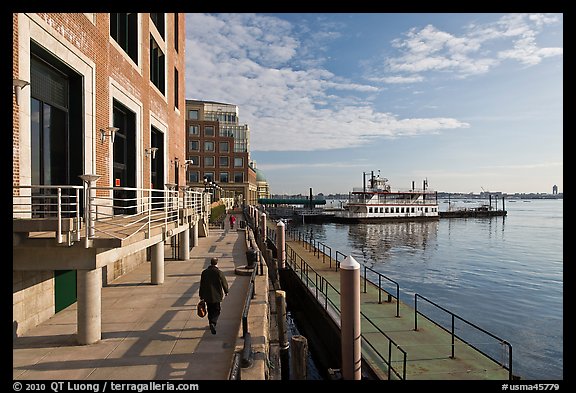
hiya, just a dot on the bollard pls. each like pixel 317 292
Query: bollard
pixel 299 357
pixel 281 244
pixel 350 319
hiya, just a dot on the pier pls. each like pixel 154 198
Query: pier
pixel 398 341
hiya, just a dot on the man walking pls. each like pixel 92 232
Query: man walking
pixel 213 287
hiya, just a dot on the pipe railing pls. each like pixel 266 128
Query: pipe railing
pixel 453 335
pixel 340 256
pixel 322 289
pixel 49 202
pixel 111 212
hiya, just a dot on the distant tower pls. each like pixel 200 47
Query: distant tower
pixel 554 189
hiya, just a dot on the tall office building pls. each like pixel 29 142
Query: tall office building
pixel 218 150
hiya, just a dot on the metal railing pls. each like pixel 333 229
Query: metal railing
pixel 453 335
pixel 49 202
pixel 110 212
pixel 308 243
pixel 322 289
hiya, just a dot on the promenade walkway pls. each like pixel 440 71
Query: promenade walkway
pixel 149 332
pixel 428 349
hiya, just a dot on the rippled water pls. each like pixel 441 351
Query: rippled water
pixel 503 274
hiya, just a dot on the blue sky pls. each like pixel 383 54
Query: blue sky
pixel 470 102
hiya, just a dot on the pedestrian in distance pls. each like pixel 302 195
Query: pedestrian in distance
pixel 232 221
pixel 213 288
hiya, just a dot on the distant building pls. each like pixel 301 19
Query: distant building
pixel 218 150
pixel 261 182
pixel 555 190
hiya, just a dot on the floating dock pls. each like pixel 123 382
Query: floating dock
pixel 398 341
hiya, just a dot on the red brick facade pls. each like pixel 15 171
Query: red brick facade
pixel 94 42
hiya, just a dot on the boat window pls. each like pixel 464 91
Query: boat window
pixel 425 210
pixel 381 210
pixel 402 210
pixel 387 210
pixel 412 210
pixel 369 210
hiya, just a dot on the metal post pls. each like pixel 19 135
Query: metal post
pixel 350 319
pixel 90 208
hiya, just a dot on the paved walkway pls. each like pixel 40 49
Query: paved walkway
pixel 149 332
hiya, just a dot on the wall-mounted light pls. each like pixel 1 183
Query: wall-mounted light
pixel 187 163
pixel 18 84
pixel 151 151
pixel 111 133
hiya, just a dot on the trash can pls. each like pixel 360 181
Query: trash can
pixel 251 257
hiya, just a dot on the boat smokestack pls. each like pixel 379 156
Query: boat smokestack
pixel 311 206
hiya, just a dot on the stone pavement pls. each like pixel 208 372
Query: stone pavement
pixel 149 332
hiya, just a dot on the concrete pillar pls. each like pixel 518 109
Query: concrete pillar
pixel 157 264
pixel 263 225
pixel 281 244
pixel 195 234
pixel 89 312
pixel 350 319
pixel 184 243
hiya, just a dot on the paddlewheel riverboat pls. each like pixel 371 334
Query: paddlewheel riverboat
pixel 376 202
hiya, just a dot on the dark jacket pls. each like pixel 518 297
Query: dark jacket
pixel 213 285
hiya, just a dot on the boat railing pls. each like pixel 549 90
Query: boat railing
pixel 322 290
pixel 453 318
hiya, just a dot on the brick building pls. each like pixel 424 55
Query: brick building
pixel 218 150
pixel 94 93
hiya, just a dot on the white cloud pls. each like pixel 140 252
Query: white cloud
pixel 474 52
pixel 250 60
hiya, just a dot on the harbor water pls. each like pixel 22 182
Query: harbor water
pixel 502 274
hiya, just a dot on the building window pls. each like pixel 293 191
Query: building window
pixel 208 130
pixel 238 177
pixel 193 114
pixel 224 162
pixel 193 130
pixel 208 146
pixel 158 20
pixel 224 147
pixel 195 160
pixel 193 176
pixel 223 177
pixel 238 162
pixel 193 145
pixel 209 161
pixel 176 27
pixel 157 64
pixel 124 30
pixel 176 98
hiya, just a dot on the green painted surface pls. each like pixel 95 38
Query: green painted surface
pixel 64 288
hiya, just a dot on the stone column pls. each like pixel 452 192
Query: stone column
pixel 281 244
pixel 194 234
pixel 184 243
pixel 350 319
pixel 89 312
pixel 157 263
